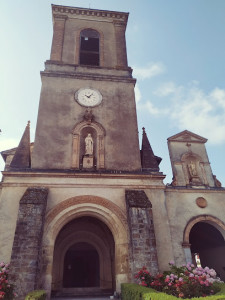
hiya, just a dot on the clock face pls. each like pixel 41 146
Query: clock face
pixel 88 97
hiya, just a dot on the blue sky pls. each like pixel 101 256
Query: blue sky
pixel 177 51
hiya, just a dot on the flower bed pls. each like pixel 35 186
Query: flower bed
pixel 182 282
pixel 136 292
pixel 6 289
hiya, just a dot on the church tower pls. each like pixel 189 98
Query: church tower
pixel 83 209
pixel 76 212
pixel 87 95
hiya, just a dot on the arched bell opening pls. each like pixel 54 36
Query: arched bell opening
pixel 89 47
pixel 84 257
pixel 208 247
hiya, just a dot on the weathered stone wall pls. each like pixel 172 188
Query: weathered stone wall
pixel 25 259
pixel 142 235
pixel 182 207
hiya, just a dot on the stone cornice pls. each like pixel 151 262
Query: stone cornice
pixel 83 180
pixel 183 189
pixel 88 76
pixel 122 175
pixel 71 11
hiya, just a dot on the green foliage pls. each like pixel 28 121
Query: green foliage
pixel 136 292
pixel 36 295
pixel 133 291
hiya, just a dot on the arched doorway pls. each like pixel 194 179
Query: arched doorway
pixel 81 266
pixel 205 234
pixel 84 257
pixel 113 219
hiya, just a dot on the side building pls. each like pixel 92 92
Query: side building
pixel 82 209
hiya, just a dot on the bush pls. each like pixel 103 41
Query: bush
pixel 133 291
pixel 36 295
pixel 136 292
pixel 183 282
pixel 6 289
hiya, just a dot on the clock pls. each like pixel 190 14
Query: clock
pixel 88 97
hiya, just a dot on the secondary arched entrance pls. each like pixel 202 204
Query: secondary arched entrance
pixel 206 237
pixel 84 257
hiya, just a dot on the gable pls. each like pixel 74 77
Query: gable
pixel 187 136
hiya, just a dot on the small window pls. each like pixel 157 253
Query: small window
pixel 89 47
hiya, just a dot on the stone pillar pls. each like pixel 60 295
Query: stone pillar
pixel 58 37
pixel 121 51
pixel 142 236
pixel 26 251
pixel 187 252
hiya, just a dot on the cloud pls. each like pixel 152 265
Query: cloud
pixel 6 144
pixel 137 93
pixel 166 89
pixel 151 70
pixel 190 107
pixel 152 109
pixel 219 96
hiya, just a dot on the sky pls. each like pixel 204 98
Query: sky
pixel 176 49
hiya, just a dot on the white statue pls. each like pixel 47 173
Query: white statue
pixel 192 169
pixel 88 144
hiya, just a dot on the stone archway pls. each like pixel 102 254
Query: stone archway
pixel 94 207
pixel 89 235
pixel 204 236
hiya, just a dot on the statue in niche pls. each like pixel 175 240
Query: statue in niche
pixel 88 145
pixel 192 169
pixel 194 178
pixel 88 158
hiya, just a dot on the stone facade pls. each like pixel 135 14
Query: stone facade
pixel 118 210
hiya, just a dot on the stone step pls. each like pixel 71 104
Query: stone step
pixel 84 292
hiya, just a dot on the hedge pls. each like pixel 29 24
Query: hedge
pixel 136 292
pixel 36 295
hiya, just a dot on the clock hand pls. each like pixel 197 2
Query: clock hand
pixel 89 95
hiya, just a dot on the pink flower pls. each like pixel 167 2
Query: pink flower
pixel 180 279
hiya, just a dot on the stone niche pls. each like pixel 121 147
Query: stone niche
pixel 81 159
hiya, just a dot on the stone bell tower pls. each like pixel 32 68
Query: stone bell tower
pixel 87 104
pixel 81 191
